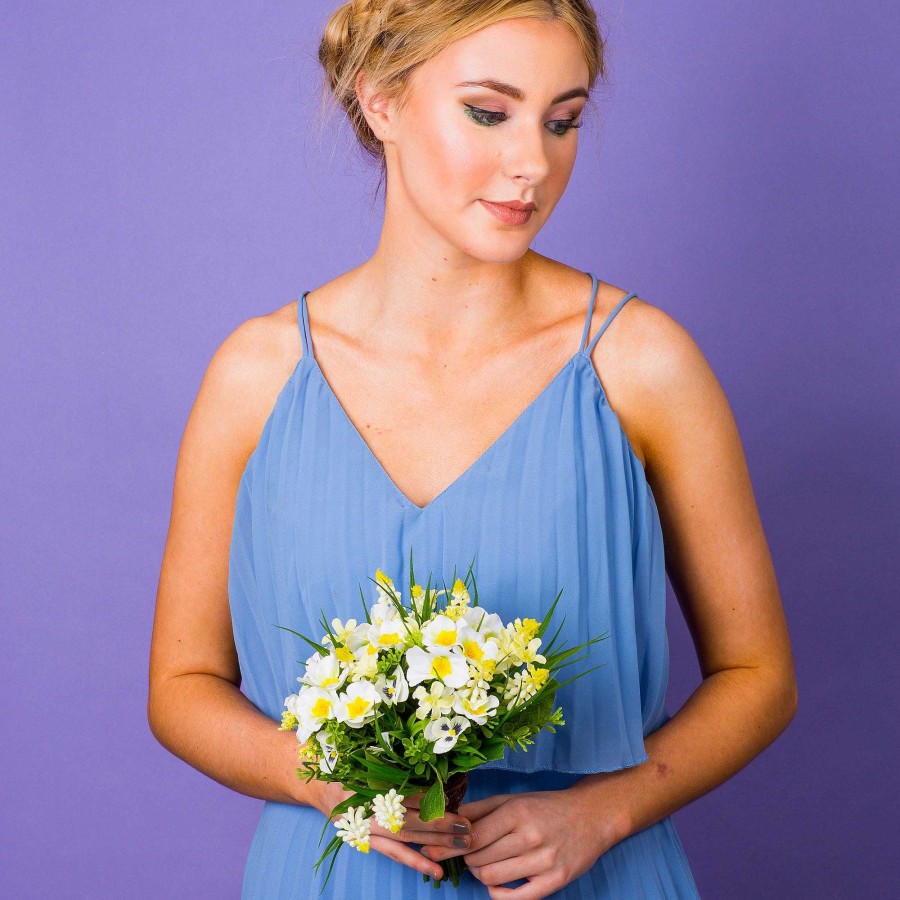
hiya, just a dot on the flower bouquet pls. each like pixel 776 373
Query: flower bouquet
pixel 413 698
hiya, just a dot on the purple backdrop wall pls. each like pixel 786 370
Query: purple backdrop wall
pixel 162 181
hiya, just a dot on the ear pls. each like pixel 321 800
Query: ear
pixel 377 109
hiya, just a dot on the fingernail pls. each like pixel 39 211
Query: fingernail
pixel 460 842
pixel 461 827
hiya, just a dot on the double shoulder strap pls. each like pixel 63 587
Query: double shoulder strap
pixel 590 315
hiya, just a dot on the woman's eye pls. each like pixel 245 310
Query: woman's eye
pixel 566 125
pixel 483 116
pixel 559 127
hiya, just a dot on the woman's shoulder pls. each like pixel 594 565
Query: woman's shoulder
pixel 649 365
pixel 246 374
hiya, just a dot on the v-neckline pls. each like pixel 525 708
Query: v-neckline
pixel 468 470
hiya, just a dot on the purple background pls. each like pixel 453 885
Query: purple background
pixel 163 180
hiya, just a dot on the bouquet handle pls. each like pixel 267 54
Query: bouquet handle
pixel 454 791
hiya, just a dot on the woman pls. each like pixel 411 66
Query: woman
pixel 446 396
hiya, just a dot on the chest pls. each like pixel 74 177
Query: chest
pixel 425 436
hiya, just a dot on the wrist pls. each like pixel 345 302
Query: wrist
pixel 301 791
pixel 595 792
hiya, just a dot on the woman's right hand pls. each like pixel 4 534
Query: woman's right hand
pixel 436 833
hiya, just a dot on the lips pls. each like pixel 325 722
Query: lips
pixel 513 204
pixel 512 212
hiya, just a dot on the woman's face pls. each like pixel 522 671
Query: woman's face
pixel 455 145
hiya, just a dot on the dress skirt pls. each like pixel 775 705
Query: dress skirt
pixel 648 865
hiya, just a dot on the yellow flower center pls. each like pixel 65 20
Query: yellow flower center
pixel 441 667
pixel 446 638
pixel 321 709
pixel 472 650
pixel 358 707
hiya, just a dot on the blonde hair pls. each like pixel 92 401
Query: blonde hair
pixel 390 38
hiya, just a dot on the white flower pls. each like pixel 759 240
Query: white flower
pixel 340 630
pixel 476 704
pixel 324 672
pixel 359 637
pixel 475 646
pixel 354 828
pixel 450 668
pixel 365 663
pixel 390 633
pixel 440 633
pixel 383 611
pixel 435 701
pixel 329 754
pixel 389 810
pixel 528 651
pixel 356 706
pixel 524 685
pixel 394 689
pixel 486 624
pixel 445 732
pixel 312 706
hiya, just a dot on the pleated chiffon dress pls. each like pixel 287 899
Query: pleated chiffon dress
pixel 558 502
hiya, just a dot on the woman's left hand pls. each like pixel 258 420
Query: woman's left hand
pixel 548 837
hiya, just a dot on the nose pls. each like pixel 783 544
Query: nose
pixel 526 153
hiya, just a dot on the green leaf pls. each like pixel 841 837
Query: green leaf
pixel 546 621
pixel 580 674
pixel 548 648
pixel 474 583
pixel 433 803
pixel 312 643
pixel 365 608
pixel 493 749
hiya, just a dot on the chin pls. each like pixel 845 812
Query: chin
pixel 499 252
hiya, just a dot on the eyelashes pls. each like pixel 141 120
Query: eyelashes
pixel 489 117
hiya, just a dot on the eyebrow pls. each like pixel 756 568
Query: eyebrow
pixel 517 94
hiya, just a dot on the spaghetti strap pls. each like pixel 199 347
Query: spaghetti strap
pixel 605 325
pixel 590 312
pixel 303 324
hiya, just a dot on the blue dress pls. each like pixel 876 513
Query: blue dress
pixel 558 501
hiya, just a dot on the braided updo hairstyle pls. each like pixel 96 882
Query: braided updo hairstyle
pixel 390 38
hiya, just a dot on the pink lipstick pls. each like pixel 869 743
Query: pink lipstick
pixel 511 212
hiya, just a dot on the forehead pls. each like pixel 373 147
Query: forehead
pixel 541 58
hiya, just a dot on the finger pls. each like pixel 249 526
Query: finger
pixel 510 865
pixel 398 851
pixel 438 841
pixel 486 831
pixel 475 809
pixel 538 887
pixel 450 822
pixel 481 853
pixel 415 832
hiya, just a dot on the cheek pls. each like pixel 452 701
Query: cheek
pixel 453 165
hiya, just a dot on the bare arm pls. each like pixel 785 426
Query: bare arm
pixel 718 562
pixel 195 707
